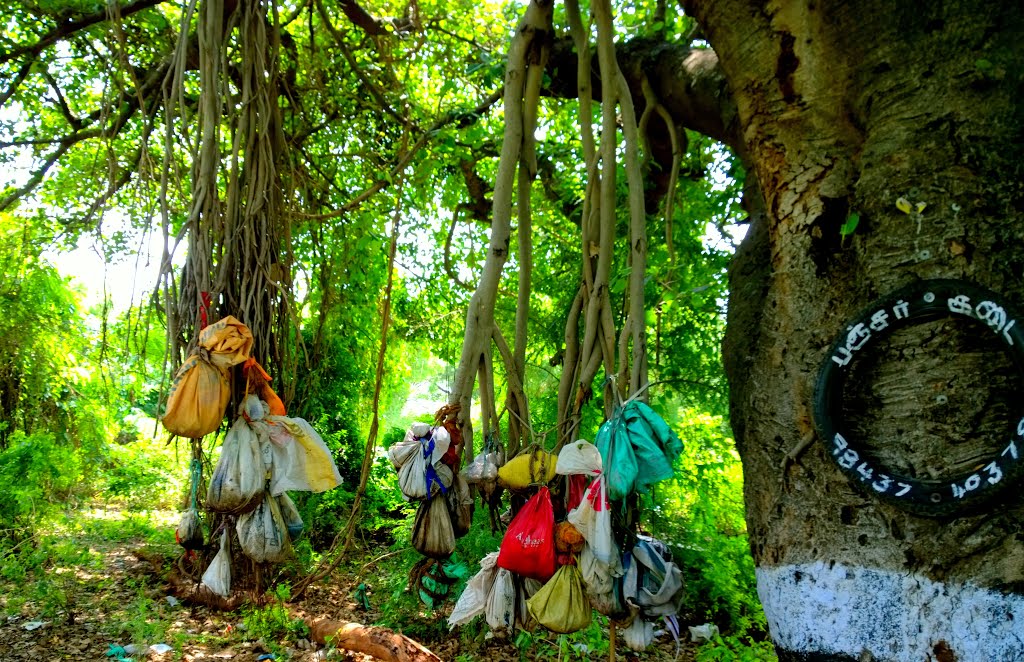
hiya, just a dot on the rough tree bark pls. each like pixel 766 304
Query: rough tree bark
pixel 845 108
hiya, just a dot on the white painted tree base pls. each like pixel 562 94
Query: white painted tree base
pixel 900 617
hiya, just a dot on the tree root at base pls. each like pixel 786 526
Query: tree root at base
pixel 378 642
pixel 189 591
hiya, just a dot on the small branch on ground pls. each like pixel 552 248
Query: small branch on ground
pixel 378 642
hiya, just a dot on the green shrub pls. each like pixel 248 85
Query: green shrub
pixel 736 649
pixel 38 475
pixel 700 513
pixel 273 623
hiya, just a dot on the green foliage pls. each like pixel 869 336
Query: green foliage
pixel 142 475
pixel 849 226
pixel 736 649
pixel 700 512
pixel 145 626
pixel 39 476
pixel 273 623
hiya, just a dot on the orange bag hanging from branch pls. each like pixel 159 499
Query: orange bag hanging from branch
pixel 528 548
pixel 257 382
pixel 228 341
pixel 201 391
pixel 199 395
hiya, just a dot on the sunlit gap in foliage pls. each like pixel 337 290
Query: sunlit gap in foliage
pixel 721 179
pixel 119 261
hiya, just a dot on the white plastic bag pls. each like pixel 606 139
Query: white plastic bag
pixel 418 430
pixel 262 533
pixel 290 515
pixel 189 533
pixel 598 577
pixel 217 577
pixel 237 483
pixel 412 477
pixel 432 533
pixel 593 519
pixel 652 582
pixel 579 457
pixel 403 451
pixel 301 460
pixel 501 604
pixel 483 468
pixel 442 476
pixel 474 471
pixel 441 440
pixel 700 634
pixel 254 408
pixel 526 588
pixel 639 634
pixel 473 600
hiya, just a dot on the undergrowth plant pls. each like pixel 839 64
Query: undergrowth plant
pixel 273 623
pixel 700 513
pixel 736 649
pixel 39 476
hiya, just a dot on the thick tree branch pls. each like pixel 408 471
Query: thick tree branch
pixel 373 26
pixel 362 18
pixel 36 178
pixel 75 122
pixel 22 74
pixel 688 82
pixel 570 208
pixel 479 206
pixel 69 28
pixel 449 268
pixel 377 642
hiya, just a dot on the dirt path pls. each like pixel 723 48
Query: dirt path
pixel 76 597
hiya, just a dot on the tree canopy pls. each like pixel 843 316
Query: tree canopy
pixel 367 112
pixel 279 148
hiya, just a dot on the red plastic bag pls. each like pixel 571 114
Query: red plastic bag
pixel 577 488
pixel 528 548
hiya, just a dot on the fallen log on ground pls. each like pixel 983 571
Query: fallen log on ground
pixel 188 591
pixel 379 642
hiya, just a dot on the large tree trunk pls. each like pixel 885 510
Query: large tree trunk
pixel 845 107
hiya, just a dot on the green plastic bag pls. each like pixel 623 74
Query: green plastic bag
pixel 669 441
pixel 561 605
pixel 650 458
pixel 438 580
pixel 620 465
pixel 637 448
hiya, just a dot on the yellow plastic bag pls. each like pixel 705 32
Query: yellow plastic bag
pixel 228 341
pixel 199 395
pixel 301 459
pixel 561 605
pixel 200 391
pixel 536 468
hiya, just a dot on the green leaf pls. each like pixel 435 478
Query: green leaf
pixel 850 225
